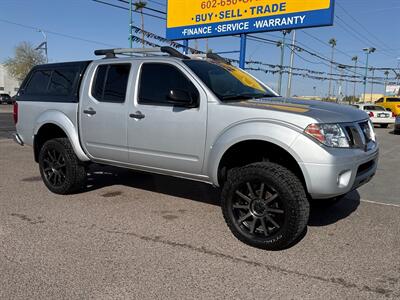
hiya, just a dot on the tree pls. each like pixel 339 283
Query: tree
pixel 139 5
pixel 26 57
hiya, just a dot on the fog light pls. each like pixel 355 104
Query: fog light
pixel 344 179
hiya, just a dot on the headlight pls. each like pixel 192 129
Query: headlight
pixel 331 135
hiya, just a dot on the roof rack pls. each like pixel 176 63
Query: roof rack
pixel 111 53
pixel 212 56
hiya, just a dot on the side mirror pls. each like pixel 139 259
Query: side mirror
pixel 181 98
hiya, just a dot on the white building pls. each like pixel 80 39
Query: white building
pixel 8 84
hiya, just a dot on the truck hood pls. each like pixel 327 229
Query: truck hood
pixel 322 112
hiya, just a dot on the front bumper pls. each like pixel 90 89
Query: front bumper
pixel 18 139
pixel 331 180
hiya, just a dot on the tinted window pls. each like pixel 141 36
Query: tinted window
pixel 62 82
pixel 374 107
pixel 111 83
pixel 98 86
pixel 392 99
pixel 38 83
pixel 157 80
pixel 380 100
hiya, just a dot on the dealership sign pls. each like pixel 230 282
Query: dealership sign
pixel 189 19
pixel 393 90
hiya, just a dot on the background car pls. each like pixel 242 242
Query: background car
pixel 390 103
pixel 5 99
pixel 378 114
pixel 397 125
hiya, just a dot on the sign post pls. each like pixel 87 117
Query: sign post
pixel 242 59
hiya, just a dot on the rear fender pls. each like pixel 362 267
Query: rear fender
pixel 56 117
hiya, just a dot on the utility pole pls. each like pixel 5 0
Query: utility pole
pixel 355 59
pixel 282 45
pixel 43 46
pixel 130 24
pixel 289 86
pixel 333 43
pixel 368 51
pixel 372 82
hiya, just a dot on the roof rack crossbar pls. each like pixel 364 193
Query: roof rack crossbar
pixel 110 53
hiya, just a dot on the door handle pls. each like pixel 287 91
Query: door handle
pixel 89 111
pixel 137 115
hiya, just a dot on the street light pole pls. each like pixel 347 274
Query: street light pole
pixel 355 59
pixel 372 82
pixel 368 51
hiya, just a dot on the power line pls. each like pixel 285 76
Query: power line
pixel 57 33
pixel 363 27
pixel 125 8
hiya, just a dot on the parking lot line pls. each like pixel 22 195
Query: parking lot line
pixel 380 203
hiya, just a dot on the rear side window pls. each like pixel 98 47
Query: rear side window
pixel 62 82
pixel 38 83
pixel 372 107
pixel 111 82
pixel 392 99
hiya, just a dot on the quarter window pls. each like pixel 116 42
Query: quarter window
pixel 157 80
pixel 62 82
pixel 38 83
pixel 111 82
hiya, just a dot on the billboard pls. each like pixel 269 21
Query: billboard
pixel 393 90
pixel 190 19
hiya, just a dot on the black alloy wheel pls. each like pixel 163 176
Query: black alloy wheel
pixel 265 205
pixel 54 167
pixel 258 209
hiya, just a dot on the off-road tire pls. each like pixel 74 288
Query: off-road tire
pixel 74 172
pixel 292 200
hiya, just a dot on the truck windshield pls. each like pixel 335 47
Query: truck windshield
pixel 227 82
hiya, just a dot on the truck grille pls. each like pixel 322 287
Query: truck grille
pixel 359 134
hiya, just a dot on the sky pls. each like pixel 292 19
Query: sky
pixel 75 28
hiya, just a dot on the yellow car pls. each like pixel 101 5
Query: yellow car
pixel 390 103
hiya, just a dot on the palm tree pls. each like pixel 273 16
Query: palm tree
pixel 139 5
pixel 333 43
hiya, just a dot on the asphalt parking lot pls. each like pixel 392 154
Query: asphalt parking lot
pixel 134 235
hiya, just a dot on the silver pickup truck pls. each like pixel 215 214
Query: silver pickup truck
pixel 200 118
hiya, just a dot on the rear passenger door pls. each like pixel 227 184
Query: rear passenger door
pixel 163 136
pixel 103 112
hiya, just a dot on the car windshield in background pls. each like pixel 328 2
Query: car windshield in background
pixel 393 99
pixel 373 107
pixel 228 82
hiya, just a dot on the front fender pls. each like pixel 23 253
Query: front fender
pixel 61 120
pixel 275 132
